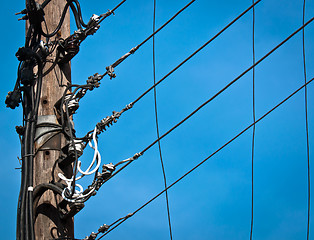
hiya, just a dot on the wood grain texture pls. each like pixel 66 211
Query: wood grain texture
pixel 48 224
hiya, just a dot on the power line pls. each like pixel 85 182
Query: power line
pixel 307 128
pixel 104 16
pixel 253 134
pixel 206 159
pixel 157 125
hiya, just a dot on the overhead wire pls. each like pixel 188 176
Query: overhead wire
pixel 254 118
pixel 207 158
pixel 166 23
pixel 306 127
pixel 111 12
pixel 157 125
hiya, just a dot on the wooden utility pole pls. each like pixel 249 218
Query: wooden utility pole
pixel 48 224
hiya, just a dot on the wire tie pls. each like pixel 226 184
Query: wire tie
pixel 129 106
pixel 136 156
pixel 111 12
pixel 30 189
pixel 133 50
pixel 30 119
pixel 28 155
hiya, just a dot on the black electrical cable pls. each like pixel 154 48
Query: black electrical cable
pixel 26 224
pixel 47 140
pixel 111 11
pixel 307 129
pixel 76 14
pixel 166 23
pixel 30 103
pixel 53 65
pixel 78 6
pixel 254 118
pixel 21 192
pixel 78 11
pixel 35 104
pixel 59 80
pixel 21 227
pixel 40 189
pixel 35 38
pixel 47 132
pixel 48 35
pixel 24 220
pixel 157 125
pixel 206 159
pixel 64 12
pixel 45 3
pixel 30 157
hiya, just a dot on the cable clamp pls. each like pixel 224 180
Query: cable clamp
pixel 103 228
pixel 30 189
pixel 136 156
pixel 107 14
pixel 27 155
pixel 133 50
pixel 93 21
pixel 22 12
pixel 92 25
pixel 92 236
pixel 94 80
pixel 110 72
pixel 127 107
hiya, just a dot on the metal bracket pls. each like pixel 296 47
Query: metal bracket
pixel 68 210
pixel 47 134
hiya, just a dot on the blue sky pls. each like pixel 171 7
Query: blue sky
pixel 214 202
